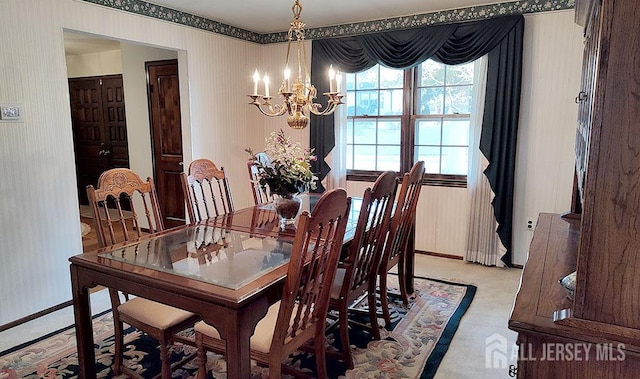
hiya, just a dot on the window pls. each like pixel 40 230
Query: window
pixel 397 117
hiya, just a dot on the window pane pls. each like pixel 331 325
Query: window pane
pixel 431 73
pixel 458 100
pixel 455 160
pixel 391 78
pixel 388 158
pixel 460 74
pixel 364 157
pixel 430 100
pixel 350 81
pixel 455 132
pixel 349 132
pixel 367 79
pixel 391 102
pixel 428 132
pixel 389 132
pixel 351 106
pixel 366 103
pixel 364 132
pixel 431 158
pixel 349 157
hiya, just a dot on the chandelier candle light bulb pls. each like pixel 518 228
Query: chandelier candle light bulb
pixel 256 79
pixel 297 97
pixel 266 85
pixel 287 83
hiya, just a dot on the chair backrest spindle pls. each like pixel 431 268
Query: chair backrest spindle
pixel 114 208
pixel 312 267
pixel 207 191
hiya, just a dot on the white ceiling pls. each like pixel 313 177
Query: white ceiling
pixel 268 16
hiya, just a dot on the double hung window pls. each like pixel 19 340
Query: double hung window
pixel 397 117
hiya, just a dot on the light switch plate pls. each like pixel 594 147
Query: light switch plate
pixel 10 112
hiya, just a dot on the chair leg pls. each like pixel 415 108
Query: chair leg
pixel 321 357
pixel 275 367
pixel 118 346
pixel 402 279
pixel 165 358
pixel 373 313
pixel 384 301
pixel 202 357
pixel 344 335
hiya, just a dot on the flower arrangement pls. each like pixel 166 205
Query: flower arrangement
pixel 288 170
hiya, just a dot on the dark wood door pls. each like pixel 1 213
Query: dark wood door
pixel 164 105
pixel 99 128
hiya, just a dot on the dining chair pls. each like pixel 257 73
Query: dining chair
pixel 118 202
pixel 357 274
pixel 402 223
pixel 300 315
pixel 206 191
pixel 261 194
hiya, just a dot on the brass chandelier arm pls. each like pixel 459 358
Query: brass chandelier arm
pixel 266 108
pixel 335 99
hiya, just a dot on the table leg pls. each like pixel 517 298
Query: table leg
pixel 238 355
pixel 240 327
pixel 84 328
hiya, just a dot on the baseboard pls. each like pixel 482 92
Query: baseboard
pixel 35 315
pixel 441 255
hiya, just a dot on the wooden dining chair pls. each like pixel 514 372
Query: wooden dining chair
pixel 300 315
pixel 261 194
pixel 357 274
pixel 206 191
pixel 119 201
pixel 397 240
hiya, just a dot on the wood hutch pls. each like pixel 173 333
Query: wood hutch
pixel 601 324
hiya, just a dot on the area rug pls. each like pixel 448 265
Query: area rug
pixel 84 228
pixel 411 347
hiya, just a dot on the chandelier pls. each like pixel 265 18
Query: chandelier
pixel 297 95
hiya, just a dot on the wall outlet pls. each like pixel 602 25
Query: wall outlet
pixel 531 223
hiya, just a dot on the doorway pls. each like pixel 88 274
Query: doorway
pixel 99 128
pixel 166 131
pixel 90 55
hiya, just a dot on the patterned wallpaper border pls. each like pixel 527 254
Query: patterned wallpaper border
pixel 145 8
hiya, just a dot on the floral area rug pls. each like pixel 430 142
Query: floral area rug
pixel 411 347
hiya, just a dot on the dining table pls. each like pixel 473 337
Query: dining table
pixel 227 269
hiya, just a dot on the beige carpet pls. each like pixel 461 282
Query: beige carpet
pixel 488 315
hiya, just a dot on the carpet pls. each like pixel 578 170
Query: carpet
pixel 411 347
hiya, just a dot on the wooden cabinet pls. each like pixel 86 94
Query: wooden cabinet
pixel 604 245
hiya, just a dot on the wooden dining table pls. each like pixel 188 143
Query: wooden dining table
pixel 227 269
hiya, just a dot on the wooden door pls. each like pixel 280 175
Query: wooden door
pixel 99 128
pixel 164 105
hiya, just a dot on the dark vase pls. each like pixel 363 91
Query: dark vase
pixel 287 207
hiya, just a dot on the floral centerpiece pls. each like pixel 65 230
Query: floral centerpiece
pixel 287 172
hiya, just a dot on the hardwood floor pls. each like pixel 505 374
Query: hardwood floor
pixel 90 240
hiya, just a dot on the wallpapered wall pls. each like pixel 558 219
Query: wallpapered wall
pixel 38 204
